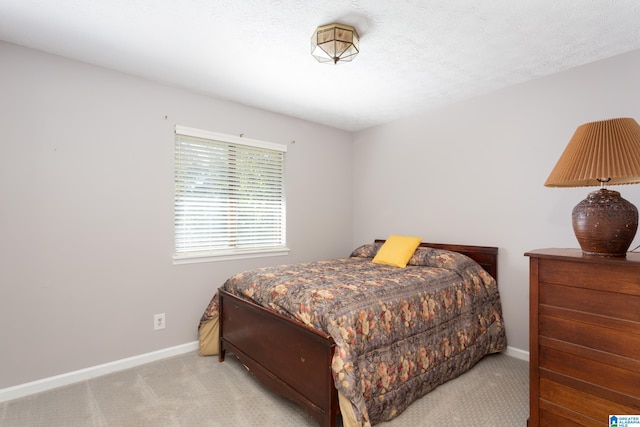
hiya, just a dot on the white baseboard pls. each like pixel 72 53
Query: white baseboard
pixel 517 353
pixel 45 384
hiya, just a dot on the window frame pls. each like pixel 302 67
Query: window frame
pixel 227 253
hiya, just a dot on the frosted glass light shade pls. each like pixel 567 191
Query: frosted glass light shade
pixel 335 42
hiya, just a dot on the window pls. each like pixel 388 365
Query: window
pixel 229 196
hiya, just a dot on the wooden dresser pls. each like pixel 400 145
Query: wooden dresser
pixel 584 337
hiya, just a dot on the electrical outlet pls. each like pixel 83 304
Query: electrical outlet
pixel 158 321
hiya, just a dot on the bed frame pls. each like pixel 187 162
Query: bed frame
pixel 292 359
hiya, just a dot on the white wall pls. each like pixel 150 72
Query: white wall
pixel 473 173
pixel 86 211
pixel 86 196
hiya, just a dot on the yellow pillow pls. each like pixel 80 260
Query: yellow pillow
pixel 397 250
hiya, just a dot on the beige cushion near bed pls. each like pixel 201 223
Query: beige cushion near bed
pixel 348 416
pixel 209 337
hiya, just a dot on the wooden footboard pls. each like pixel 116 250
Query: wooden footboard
pixel 292 359
pixel 288 357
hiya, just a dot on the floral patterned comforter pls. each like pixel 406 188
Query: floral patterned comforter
pixel 399 332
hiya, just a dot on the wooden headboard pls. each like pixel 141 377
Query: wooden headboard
pixel 486 256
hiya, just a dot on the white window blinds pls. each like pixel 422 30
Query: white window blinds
pixel 229 196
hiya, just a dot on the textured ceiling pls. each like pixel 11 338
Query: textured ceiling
pixel 414 54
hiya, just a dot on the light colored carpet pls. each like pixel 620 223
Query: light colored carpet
pixel 190 390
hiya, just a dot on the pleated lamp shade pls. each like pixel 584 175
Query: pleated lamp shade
pixel 602 153
pixel 608 150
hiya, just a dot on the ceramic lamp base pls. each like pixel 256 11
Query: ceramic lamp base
pixel 605 224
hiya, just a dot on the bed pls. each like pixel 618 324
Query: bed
pixel 355 338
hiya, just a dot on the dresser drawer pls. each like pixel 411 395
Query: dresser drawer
pixel 580 407
pixel 600 338
pixel 612 305
pixel 597 374
pixel 605 277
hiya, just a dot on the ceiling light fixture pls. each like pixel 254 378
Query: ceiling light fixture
pixel 335 42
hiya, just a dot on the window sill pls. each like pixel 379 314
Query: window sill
pixel 197 257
